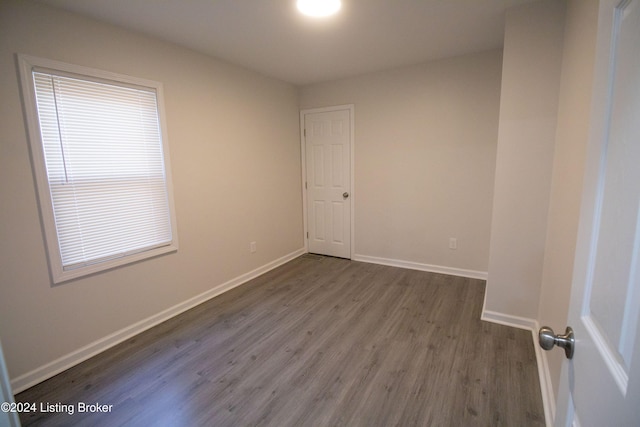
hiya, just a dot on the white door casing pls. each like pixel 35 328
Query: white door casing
pixel 8 413
pixel 327 148
pixel 601 385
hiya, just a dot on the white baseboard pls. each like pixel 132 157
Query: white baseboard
pixel 509 320
pixel 67 361
pixel 546 386
pixel 422 267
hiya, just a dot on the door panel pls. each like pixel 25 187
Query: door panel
pixel 328 180
pixel 319 223
pixel 602 382
pixel 317 166
pixel 337 154
pixel 614 272
pixel 337 219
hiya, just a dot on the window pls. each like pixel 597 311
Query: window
pixel 101 162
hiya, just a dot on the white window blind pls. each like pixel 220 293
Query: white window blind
pixel 103 152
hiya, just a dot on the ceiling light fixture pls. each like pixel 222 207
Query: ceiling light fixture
pixel 318 8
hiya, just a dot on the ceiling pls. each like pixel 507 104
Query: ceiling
pixel 271 37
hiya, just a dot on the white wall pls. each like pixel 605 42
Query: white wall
pixel 235 152
pixel 568 170
pixel 524 163
pixel 425 141
pixel 549 57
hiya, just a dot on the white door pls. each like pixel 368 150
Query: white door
pixel 327 139
pixel 8 412
pixel 600 386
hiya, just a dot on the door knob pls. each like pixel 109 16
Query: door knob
pixel 345 195
pixel 547 339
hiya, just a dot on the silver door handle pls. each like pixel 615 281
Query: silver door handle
pixel 345 195
pixel 547 339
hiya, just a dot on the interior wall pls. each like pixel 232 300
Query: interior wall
pixel 425 146
pixel 533 50
pixel 568 170
pixel 223 122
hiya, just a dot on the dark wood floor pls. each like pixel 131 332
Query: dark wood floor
pixel 317 342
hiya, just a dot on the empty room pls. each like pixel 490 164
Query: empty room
pixel 332 213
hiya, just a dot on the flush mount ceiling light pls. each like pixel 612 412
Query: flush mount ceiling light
pixel 318 8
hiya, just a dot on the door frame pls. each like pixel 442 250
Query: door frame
pixel 303 160
pixel 10 418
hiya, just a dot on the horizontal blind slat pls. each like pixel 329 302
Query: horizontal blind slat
pixel 104 159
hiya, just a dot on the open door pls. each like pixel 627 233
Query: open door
pixel 600 385
pixel 8 414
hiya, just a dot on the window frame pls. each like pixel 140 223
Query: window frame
pixel 26 65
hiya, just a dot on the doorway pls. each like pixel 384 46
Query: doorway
pixel 327 163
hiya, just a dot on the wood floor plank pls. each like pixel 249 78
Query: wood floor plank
pixel 317 342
